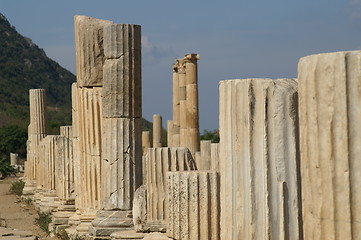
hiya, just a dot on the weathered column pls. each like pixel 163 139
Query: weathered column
pixel 122 133
pixel 215 157
pixel 89 41
pixel 169 133
pixel 205 159
pixel 182 102
pixel 159 161
pixel 157 130
pixel 145 141
pixel 176 113
pixel 330 140
pixel 37 131
pixel 193 202
pixel 192 116
pixel 259 160
pixel 14 159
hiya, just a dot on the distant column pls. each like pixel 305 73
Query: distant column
pixel 145 141
pixel 14 159
pixel 37 131
pixel 192 115
pixel 176 113
pixel 170 133
pixel 330 132
pixel 182 103
pixel 157 130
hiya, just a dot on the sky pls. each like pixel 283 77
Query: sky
pixel 235 39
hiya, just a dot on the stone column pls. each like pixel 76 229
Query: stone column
pixel 176 113
pixel 37 131
pixel 259 160
pixel 14 159
pixel 193 202
pixel 192 116
pixel 122 133
pixel 169 133
pixel 90 57
pixel 215 157
pixel 330 140
pixel 159 161
pixel 145 141
pixel 157 130
pixel 205 159
pixel 182 102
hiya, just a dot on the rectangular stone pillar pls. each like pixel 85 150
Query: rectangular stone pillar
pixel 205 158
pixel 259 160
pixel 215 157
pixel 330 140
pixel 159 161
pixel 193 202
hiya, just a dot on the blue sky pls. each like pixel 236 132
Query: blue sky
pixel 235 39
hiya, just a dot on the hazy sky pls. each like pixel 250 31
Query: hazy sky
pixel 235 39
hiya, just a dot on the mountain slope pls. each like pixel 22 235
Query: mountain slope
pixel 23 66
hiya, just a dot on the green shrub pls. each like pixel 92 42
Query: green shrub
pixel 43 220
pixel 17 187
pixel 5 169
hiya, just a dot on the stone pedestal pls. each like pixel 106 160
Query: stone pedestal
pixel 157 130
pixel 193 202
pixel 159 162
pixel 330 140
pixel 259 160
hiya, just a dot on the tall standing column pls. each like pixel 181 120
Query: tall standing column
pixel 122 133
pixel 176 123
pixel 157 130
pixel 170 133
pixel 37 131
pixel 192 116
pixel 330 140
pixel 259 160
pixel 182 103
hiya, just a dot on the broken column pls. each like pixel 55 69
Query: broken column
pixel 145 141
pixel 192 116
pixel 260 181
pixel 157 130
pixel 37 131
pixel 14 159
pixel 159 161
pixel 330 138
pixel 89 65
pixel 122 133
pixel 193 205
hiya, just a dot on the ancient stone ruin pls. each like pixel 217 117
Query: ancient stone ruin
pixel 286 166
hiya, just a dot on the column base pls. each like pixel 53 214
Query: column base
pixel 29 188
pixel 156 226
pixel 108 222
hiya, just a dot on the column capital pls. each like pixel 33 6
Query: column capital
pixel 191 57
pixel 181 65
pixel 175 68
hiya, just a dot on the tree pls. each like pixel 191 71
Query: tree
pixel 210 135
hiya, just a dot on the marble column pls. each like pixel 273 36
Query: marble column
pixel 122 133
pixel 193 205
pixel 170 133
pixel 182 102
pixel 157 130
pixel 176 113
pixel 145 141
pixel 192 116
pixel 37 131
pixel 330 140
pixel 259 160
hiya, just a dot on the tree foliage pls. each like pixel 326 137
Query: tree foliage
pixel 210 135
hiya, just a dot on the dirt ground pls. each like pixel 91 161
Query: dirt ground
pixel 17 214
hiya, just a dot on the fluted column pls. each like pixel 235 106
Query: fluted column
pixel 176 113
pixel 259 160
pixel 182 102
pixel 157 130
pixel 37 131
pixel 193 202
pixel 330 133
pixel 122 133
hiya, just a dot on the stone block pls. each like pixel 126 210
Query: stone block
pixel 89 50
pixel 193 203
